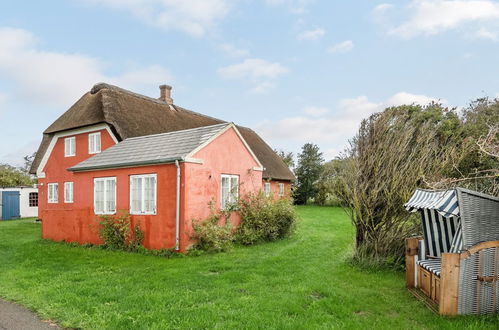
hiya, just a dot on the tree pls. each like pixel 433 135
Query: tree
pixel 287 157
pixel 307 173
pixel 11 176
pixel 476 162
pixel 326 182
pixel 392 154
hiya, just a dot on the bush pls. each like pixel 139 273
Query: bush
pixel 118 233
pixel 264 219
pixel 211 235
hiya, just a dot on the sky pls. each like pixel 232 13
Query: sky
pixel 295 71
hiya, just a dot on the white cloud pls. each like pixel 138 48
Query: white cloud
pixel 332 130
pixel 430 17
pixel 381 8
pixel 233 51
pixel 260 72
pixel 342 47
pixel 315 34
pixel 58 78
pixel 194 17
pixel 294 6
pixel 315 111
pixel 408 98
pixel 484 33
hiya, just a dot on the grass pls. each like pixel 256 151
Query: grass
pixel 305 281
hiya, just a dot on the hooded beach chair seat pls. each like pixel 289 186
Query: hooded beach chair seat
pixel 432 265
pixel 456 261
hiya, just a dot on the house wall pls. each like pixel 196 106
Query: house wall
pixel 57 218
pixel 274 188
pixel 202 182
pixel 78 223
pixel 25 210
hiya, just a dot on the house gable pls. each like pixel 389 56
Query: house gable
pixel 81 153
pixel 231 126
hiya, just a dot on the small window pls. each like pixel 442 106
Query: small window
pixel 53 195
pixel 105 195
pixel 69 146
pixel 33 199
pixel 68 192
pixel 229 190
pixel 281 189
pixel 94 143
pixel 143 194
pixel 266 189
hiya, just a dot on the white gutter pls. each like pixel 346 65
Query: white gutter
pixel 177 209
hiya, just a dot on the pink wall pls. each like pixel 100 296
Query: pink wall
pixel 225 155
pixel 274 188
pixel 58 217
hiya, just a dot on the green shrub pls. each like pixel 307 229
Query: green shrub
pixel 264 219
pixel 118 233
pixel 211 235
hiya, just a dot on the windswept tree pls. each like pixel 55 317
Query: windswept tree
pixel 392 154
pixel 307 173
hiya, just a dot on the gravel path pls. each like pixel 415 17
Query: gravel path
pixel 14 317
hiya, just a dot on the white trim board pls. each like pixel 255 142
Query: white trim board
pixel 56 136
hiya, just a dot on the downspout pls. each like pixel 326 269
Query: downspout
pixel 177 209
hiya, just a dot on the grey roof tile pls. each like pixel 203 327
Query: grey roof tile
pixel 151 149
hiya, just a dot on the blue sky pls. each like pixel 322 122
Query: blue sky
pixel 295 71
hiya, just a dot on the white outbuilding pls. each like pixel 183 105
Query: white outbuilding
pixel 18 202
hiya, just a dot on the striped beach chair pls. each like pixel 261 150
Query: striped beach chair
pixel 456 261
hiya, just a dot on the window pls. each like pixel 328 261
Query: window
pixel 68 192
pixel 69 146
pixel 104 195
pixel 53 193
pixel 33 199
pixel 143 194
pixel 266 189
pixel 94 143
pixel 281 189
pixel 230 190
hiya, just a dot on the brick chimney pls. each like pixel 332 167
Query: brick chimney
pixel 165 94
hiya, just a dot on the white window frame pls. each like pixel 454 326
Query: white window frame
pixel 112 178
pixel 232 197
pixel 142 210
pixel 70 146
pixel 53 192
pixel 92 138
pixel 68 192
pixel 266 189
pixel 281 189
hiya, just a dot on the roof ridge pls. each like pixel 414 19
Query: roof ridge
pixel 182 130
pixel 100 86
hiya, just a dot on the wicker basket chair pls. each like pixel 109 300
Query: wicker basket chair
pixel 454 267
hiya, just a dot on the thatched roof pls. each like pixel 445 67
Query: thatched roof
pixel 130 115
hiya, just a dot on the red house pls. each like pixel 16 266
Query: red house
pixel 117 150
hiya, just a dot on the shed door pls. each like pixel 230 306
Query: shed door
pixel 10 205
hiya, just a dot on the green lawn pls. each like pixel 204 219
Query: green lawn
pixel 302 282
